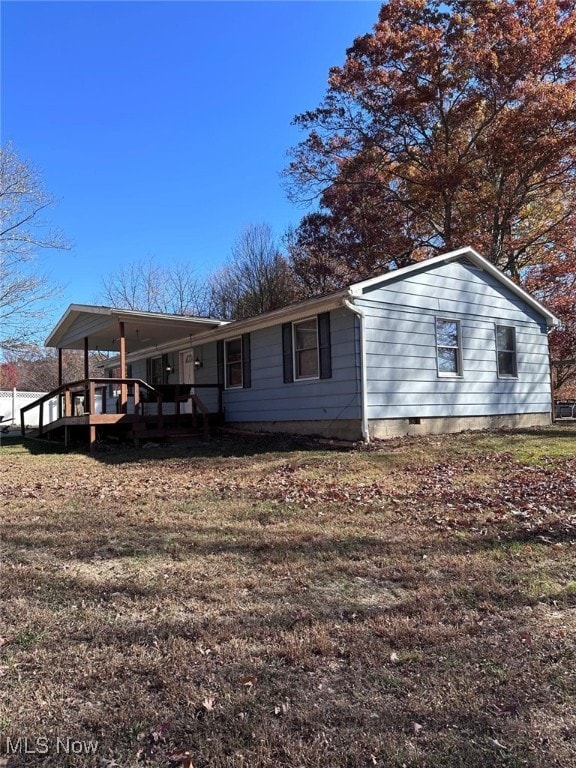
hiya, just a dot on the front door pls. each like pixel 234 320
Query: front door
pixel 187 369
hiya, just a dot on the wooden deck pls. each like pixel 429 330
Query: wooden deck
pixel 125 409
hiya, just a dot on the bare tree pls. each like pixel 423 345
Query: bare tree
pixel 24 290
pixel 35 369
pixel 257 279
pixel 146 285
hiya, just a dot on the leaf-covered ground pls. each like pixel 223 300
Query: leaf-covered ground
pixel 264 603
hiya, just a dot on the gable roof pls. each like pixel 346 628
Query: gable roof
pixel 148 330
pixel 330 301
pixel 469 254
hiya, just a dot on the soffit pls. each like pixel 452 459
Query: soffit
pixel 101 326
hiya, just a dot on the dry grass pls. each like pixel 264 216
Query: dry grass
pixel 264 604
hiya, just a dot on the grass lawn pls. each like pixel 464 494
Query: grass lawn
pixel 264 603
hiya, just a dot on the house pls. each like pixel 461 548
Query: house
pixel 444 345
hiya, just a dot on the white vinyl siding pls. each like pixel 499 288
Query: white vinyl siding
pixel 402 368
pixel 270 399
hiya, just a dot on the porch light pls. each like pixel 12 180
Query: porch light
pixel 198 363
pixel 168 369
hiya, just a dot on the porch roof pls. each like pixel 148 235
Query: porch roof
pixel 101 326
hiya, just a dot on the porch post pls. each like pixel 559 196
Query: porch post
pixel 86 362
pixel 123 387
pixel 60 378
pixel 122 351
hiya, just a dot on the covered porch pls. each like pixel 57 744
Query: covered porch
pixel 121 406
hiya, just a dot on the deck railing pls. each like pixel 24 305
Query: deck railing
pixel 93 396
pixel 135 399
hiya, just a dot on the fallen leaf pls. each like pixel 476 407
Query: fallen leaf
pixel 497 744
pixel 181 759
pixel 282 709
pixel 208 703
pixel 159 732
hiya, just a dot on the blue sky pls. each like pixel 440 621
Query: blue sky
pixel 163 127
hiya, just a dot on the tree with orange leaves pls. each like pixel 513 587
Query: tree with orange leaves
pixel 452 123
pixel 553 281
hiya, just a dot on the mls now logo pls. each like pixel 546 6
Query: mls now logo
pixel 42 745
pixel 26 746
pixel 72 747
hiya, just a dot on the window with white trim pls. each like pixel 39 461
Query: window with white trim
pixel 448 347
pixel 506 351
pixel 306 359
pixel 233 363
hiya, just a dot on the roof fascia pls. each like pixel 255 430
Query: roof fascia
pixel 237 327
pixel 276 316
pixel 121 315
pixel 358 289
pixel 134 314
pixel 68 318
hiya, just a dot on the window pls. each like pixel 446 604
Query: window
pixel 307 349
pixel 448 351
pixel 306 362
pixel 233 362
pixel 155 371
pixel 506 351
pixel 159 369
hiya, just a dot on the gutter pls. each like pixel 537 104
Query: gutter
pixel 363 370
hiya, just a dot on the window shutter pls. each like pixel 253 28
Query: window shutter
pixel 324 346
pixel 246 364
pixel 287 352
pixel 220 361
pixel 149 370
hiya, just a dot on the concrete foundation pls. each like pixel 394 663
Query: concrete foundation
pixel 381 429
pixel 345 429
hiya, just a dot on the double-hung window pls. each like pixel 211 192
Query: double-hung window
pixel 307 349
pixel 233 363
pixel 506 351
pixel 306 362
pixel 448 347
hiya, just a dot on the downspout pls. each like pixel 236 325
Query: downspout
pixel 363 370
pixel 550 327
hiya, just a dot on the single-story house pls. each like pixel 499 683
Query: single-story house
pixel 444 345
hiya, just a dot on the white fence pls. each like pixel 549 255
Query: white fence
pixel 11 401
